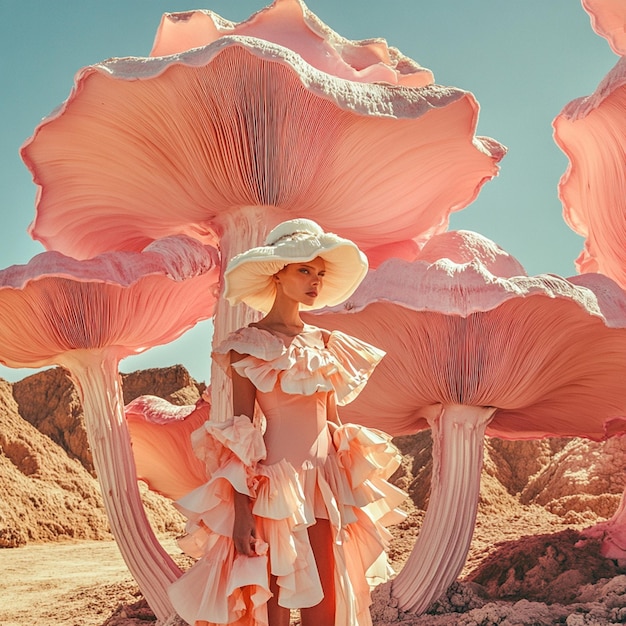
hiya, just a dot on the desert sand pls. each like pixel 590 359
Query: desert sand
pixel 86 583
pixel 81 583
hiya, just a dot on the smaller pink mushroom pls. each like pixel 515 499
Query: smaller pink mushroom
pixel 88 315
pixel 161 436
pixel 475 347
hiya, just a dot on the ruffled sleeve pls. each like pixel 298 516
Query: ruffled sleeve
pixel 230 450
pixel 356 360
pixel 251 341
pixel 222 586
pixel 236 436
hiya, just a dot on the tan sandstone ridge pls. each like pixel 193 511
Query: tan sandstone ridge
pixel 525 566
pixel 47 488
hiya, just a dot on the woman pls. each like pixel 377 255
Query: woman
pixel 294 510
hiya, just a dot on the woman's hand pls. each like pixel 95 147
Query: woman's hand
pixel 244 531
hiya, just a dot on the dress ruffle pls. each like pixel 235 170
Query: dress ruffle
pixel 343 364
pixel 224 587
pixel 342 478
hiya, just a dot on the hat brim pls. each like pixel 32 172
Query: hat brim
pixel 248 277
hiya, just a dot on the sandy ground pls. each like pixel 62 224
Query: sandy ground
pixel 77 583
pixel 73 584
pixel 86 583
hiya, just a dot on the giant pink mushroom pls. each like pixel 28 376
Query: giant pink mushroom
pixel 225 140
pixel 474 346
pixel 86 316
pixel 592 133
pixel 608 19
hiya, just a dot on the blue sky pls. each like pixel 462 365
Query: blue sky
pixel 522 60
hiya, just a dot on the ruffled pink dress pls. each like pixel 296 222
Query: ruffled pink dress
pixel 295 472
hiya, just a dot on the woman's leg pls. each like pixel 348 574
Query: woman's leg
pixel 321 538
pixel 277 615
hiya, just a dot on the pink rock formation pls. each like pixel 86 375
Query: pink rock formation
pixel 86 316
pixel 471 352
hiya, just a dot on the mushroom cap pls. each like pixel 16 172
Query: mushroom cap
pixel 292 25
pixel 148 147
pixel 466 246
pixel 608 19
pixel 591 131
pixel 548 352
pixel 125 302
pixel 161 436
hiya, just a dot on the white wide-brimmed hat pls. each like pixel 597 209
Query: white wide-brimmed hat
pixel 248 277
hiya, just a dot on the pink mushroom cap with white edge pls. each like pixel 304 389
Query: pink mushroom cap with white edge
pixel 56 307
pixel 469 353
pixel 463 323
pixel 291 24
pixel 227 139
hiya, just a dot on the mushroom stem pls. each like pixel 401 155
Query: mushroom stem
pixel 443 543
pixel 242 229
pixel 96 376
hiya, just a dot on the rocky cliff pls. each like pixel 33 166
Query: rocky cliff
pixel 48 491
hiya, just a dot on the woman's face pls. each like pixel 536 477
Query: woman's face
pixel 301 282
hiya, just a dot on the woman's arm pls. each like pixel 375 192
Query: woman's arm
pixel 244 394
pixel 332 415
pixel 244 391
